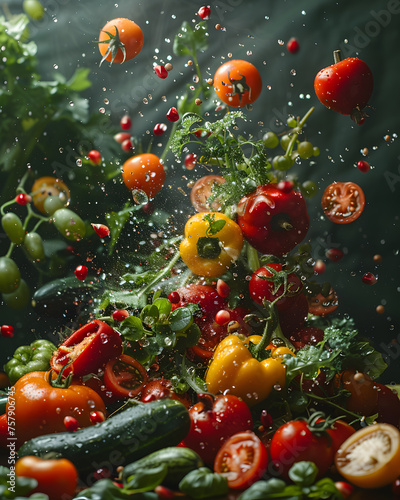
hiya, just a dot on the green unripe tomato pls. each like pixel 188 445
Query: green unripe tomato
pixel 291 122
pixel 20 298
pixel 285 139
pixel 34 9
pixel 52 203
pixel 309 189
pixel 281 162
pixel 13 228
pixel 10 275
pixel 316 151
pixel 33 244
pixel 69 224
pixel 270 140
pixel 305 150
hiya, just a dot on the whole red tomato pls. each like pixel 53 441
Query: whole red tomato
pixel 213 422
pixel 270 282
pixel 345 87
pixel 273 220
pixel 299 440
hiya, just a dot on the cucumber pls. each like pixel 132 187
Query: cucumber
pixel 125 437
pixel 179 462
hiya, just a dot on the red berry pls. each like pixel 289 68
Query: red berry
pixel 96 417
pixel 120 315
pixel 23 199
pixel 173 115
pixel 122 136
pixel 174 298
pixel 161 72
pixel 363 166
pixel 101 229
pixel 94 156
pixel 222 317
pixel 205 12
pixel 190 161
pixel 319 266
pixel 126 122
pixel 223 289
pixel 369 279
pixel 7 331
pixel 293 46
pixel 159 129
pixel 71 424
pixel 81 272
pixel 334 254
pixel 127 145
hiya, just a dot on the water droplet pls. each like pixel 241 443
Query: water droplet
pixel 78 162
pixel 102 110
pixel 55 66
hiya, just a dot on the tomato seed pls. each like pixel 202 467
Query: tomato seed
pixel 81 272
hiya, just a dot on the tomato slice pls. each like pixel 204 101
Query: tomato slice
pixel 343 202
pixel 124 376
pixel 242 459
pixel 322 306
pixel 370 458
pixel 202 190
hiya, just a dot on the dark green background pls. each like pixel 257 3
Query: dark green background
pixel 252 30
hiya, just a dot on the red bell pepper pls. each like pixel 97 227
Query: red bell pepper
pixel 88 349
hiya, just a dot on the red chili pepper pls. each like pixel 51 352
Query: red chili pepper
pixel 88 349
pixel 273 220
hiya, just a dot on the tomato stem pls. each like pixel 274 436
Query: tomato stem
pixel 337 56
pixel 270 326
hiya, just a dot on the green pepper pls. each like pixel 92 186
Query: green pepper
pixel 29 358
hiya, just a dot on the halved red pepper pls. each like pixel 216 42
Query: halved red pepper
pixel 88 349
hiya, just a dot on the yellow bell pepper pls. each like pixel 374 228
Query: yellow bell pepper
pixel 234 369
pixel 212 243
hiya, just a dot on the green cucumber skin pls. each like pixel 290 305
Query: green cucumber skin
pixel 127 436
pixel 179 461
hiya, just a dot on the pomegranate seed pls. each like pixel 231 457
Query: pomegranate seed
pixel 126 122
pixel 190 161
pixel 174 298
pixel 293 46
pixel 285 186
pixel 94 156
pixel 71 424
pixel 96 417
pixel 334 254
pixel 205 12
pixel 266 420
pixel 223 289
pixel 369 279
pixel 81 272
pixel 363 166
pixel 23 199
pixel 101 229
pixel 127 145
pixel 163 492
pixel 159 129
pixel 173 115
pixel 120 315
pixel 361 120
pixel 122 136
pixel 7 331
pixel 319 267
pixel 160 71
pixel 222 317
pixel 344 488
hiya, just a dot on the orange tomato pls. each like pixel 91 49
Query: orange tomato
pixel 237 83
pixel 44 187
pixel 120 40
pixel 144 172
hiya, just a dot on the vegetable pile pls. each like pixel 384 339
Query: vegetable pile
pixel 207 361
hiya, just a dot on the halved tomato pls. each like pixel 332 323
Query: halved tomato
pixel 124 376
pixel 242 459
pixel 319 305
pixel 343 202
pixel 201 190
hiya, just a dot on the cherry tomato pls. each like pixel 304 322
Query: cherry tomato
pixel 294 441
pixel 94 156
pixel 370 458
pixel 343 202
pixel 242 459
pixel 144 172
pixel 322 306
pixel 44 187
pixel 120 40
pixel 270 282
pixel 162 389
pixel 345 87
pixel 237 83
pixel 125 376
pixel 202 190
pixel 213 421
pixel 57 477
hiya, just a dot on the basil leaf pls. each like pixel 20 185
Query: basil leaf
pixel 303 473
pixel 189 41
pixel 164 307
pixel 262 489
pixel 131 328
pixel 146 479
pixel 181 319
pixel 203 483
